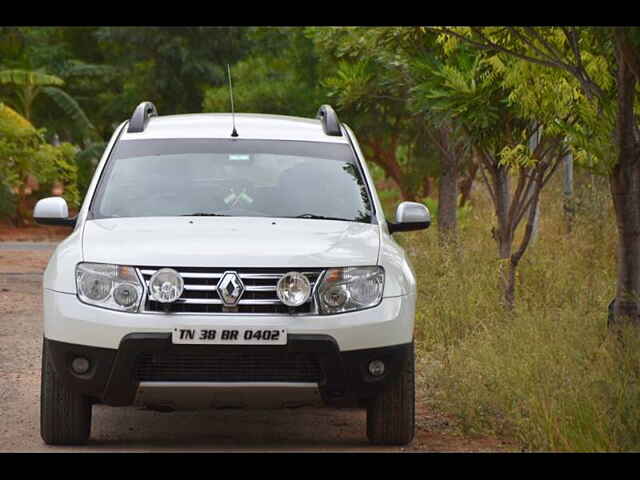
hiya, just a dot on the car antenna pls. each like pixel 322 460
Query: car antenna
pixel 234 132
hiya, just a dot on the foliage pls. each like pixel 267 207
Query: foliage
pixel 610 89
pixel 24 86
pixel 7 201
pixel 12 124
pixel 170 66
pixel 279 77
pixel 563 77
pixel 86 161
pixel 468 91
pixel 367 82
pixel 24 154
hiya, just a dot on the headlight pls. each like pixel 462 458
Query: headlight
pixel 351 288
pixel 108 286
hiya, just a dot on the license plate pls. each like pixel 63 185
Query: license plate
pixel 230 335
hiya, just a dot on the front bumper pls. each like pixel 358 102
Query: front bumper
pixel 68 320
pixel 345 380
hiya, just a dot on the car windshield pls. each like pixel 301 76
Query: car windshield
pixel 246 178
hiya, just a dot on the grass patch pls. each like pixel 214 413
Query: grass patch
pixel 549 375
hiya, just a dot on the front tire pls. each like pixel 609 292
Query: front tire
pixel 65 416
pixel 391 414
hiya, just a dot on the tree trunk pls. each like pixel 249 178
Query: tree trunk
pixel 535 210
pixel 386 158
pixel 467 184
pixel 625 190
pixel 529 231
pixel 569 210
pixel 448 198
pixel 503 234
pixel 426 186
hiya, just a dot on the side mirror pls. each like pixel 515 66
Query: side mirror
pixel 410 216
pixel 53 211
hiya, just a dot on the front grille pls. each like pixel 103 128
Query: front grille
pixel 221 364
pixel 200 294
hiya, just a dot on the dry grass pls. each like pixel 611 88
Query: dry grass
pixel 549 374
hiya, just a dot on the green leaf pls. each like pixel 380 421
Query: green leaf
pixel 25 78
pixel 69 106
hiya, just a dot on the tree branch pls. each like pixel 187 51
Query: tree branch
pixel 482 165
pixel 436 140
pixel 550 57
pixel 553 169
pixel 516 196
pixel 572 37
pixel 526 239
pixel 554 53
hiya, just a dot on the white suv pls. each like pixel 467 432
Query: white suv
pixel 213 266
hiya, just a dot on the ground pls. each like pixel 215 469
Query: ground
pixel 132 429
pixel 35 233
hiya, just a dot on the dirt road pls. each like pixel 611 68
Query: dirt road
pixel 132 429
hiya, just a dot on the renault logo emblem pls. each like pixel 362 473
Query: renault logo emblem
pixel 230 288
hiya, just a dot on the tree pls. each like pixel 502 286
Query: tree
pixel 422 56
pixel 402 60
pixel 605 63
pixel 367 84
pixel 474 92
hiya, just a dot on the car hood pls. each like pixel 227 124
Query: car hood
pixel 230 242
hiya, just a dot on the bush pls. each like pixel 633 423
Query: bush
pixel 7 201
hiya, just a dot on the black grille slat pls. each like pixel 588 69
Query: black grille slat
pixel 228 366
pixel 211 295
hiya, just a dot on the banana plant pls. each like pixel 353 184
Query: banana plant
pixel 24 87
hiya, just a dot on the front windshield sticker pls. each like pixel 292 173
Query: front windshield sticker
pixel 234 199
pixel 241 158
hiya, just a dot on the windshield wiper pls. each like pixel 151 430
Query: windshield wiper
pixel 204 214
pixel 322 217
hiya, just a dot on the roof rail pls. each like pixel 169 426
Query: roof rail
pixel 141 116
pixel 330 122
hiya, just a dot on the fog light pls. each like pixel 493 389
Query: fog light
pixel 293 289
pixel 80 365
pixel 376 368
pixel 166 286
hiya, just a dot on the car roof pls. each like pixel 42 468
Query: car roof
pixel 248 126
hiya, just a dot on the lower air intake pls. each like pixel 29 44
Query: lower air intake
pixel 224 365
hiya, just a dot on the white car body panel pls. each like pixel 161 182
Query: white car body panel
pixel 230 242
pixel 60 272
